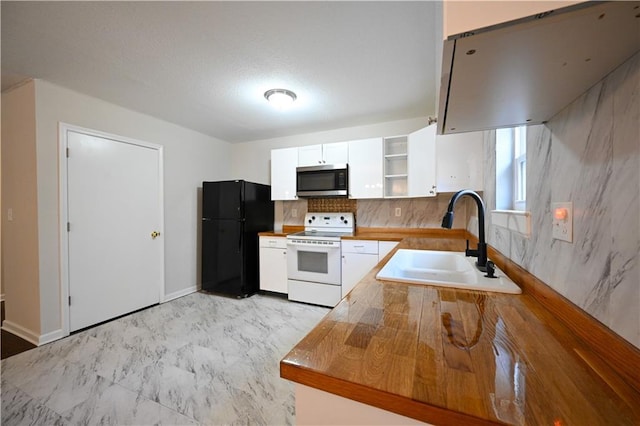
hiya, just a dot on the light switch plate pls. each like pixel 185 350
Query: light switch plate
pixel 562 221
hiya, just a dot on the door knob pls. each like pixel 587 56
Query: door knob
pixel 155 234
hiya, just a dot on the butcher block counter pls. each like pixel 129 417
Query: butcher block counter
pixel 447 356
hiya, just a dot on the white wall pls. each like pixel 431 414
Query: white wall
pixel 251 160
pixel 19 193
pixel 189 158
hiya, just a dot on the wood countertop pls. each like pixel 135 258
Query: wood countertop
pixel 379 234
pixel 447 356
pixel 271 234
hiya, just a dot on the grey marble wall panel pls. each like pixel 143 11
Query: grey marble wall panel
pixel 588 154
pixel 538 199
pixel 300 207
pixel 380 213
pixel 416 212
pixel 624 199
pixel 489 196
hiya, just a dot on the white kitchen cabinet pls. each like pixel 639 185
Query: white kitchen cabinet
pixel 283 173
pixel 365 168
pixel 421 160
pixel 459 162
pixel 358 258
pixel 485 84
pixel 273 264
pixel 329 153
pixel 384 248
pixel 410 164
pixel 466 16
pixel 396 173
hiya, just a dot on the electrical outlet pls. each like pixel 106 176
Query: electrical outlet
pixel 294 212
pixel 398 212
pixel 10 214
pixel 562 221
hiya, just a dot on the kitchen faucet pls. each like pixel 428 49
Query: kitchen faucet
pixel 447 222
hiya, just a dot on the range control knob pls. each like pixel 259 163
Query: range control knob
pixel 310 221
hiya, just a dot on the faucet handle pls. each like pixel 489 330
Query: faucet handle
pixel 491 270
pixel 468 252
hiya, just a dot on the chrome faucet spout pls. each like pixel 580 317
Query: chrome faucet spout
pixel 447 222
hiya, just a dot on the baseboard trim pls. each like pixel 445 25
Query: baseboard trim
pixel 179 293
pixel 51 337
pixel 31 336
pixel 24 333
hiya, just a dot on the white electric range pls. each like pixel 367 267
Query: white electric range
pixel 314 258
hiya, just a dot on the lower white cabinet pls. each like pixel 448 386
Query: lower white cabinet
pixel 384 248
pixel 273 264
pixel 358 258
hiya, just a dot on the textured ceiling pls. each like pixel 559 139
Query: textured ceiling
pixel 206 65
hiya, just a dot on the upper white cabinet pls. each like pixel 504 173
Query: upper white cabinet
pixel 506 64
pixel 466 16
pixel 365 168
pixel 422 162
pixel 459 162
pixel 329 153
pixel 409 164
pixel 396 172
pixel 283 173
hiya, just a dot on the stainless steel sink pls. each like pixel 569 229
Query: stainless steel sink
pixel 443 268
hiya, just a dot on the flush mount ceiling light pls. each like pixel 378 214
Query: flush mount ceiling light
pixel 280 98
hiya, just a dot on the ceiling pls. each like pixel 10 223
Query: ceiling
pixel 206 65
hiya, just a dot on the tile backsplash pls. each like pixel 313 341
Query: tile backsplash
pixel 381 213
pixel 414 212
pixel 332 205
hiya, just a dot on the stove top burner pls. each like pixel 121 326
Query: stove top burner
pixel 321 235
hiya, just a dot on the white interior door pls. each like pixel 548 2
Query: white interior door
pixel 114 204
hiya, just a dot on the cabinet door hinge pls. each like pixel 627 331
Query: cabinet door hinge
pixel 67 152
pixel 68 226
pixel 69 300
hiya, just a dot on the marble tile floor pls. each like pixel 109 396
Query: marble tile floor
pixel 200 359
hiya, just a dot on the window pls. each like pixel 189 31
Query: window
pixel 520 168
pixel 511 168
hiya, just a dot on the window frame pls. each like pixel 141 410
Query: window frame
pixel 519 166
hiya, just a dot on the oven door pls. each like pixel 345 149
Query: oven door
pixel 319 262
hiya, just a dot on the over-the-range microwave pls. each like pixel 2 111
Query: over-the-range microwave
pixel 329 180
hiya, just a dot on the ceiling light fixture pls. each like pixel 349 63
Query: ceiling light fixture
pixel 280 98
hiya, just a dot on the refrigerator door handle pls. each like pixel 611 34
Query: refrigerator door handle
pixel 240 201
pixel 240 225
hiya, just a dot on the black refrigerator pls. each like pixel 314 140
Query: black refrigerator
pixel 233 212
